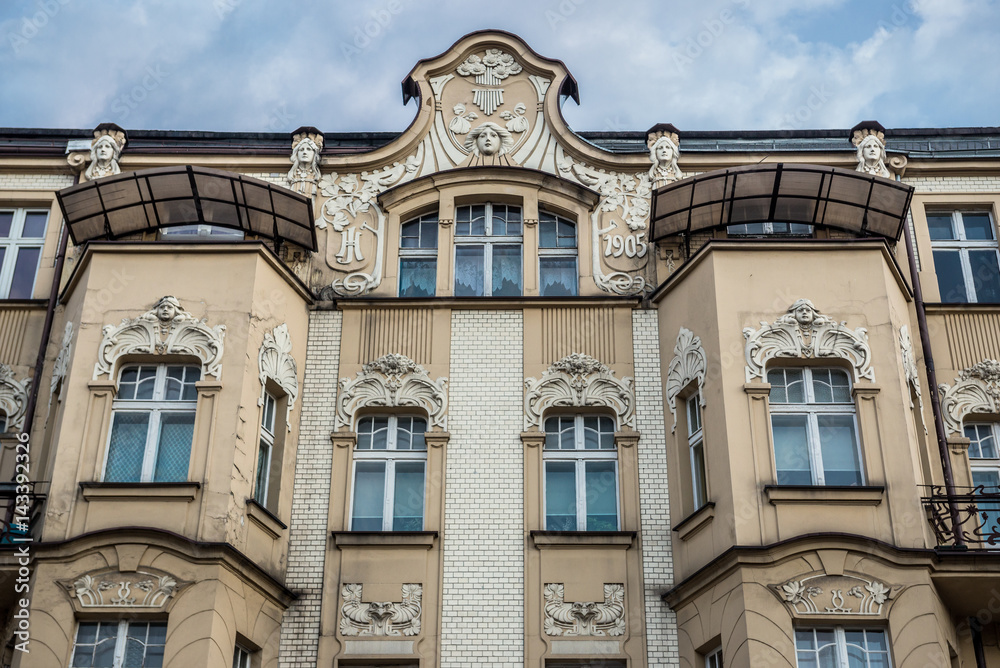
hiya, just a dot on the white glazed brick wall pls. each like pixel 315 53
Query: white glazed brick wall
pixel 311 497
pixel 959 184
pixel 35 181
pixel 654 506
pixel 482 612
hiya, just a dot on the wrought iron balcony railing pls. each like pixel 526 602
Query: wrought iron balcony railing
pixel 978 516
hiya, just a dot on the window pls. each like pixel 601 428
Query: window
pixel 841 648
pixel 389 463
pixel 714 659
pixel 581 474
pixel 488 250
pixel 418 241
pixel 813 426
pixel 119 644
pixel 200 232
pixel 965 256
pixel 241 657
pixel 984 458
pixel 769 229
pixel 152 424
pixel 557 274
pixel 265 450
pixel 696 451
pixel 22 235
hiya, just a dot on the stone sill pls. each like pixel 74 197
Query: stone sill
pixel 696 521
pixel 832 495
pixel 140 491
pixel 423 539
pixel 564 539
pixel 265 519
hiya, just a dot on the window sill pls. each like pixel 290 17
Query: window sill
pixel 140 491
pixel 265 519
pixel 423 539
pixel 824 495
pixel 696 521
pixel 562 539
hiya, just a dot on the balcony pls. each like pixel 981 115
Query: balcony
pixel 976 519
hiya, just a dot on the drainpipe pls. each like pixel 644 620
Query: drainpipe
pixel 977 642
pixel 29 417
pixel 925 343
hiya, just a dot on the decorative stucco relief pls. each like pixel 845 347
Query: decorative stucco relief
pixel 165 329
pixel 390 381
pixel 356 241
pixel 61 366
pixel 689 364
pixel 304 175
pixel 976 390
pixel 871 152
pixel 587 618
pixel 275 361
pixel 578 380
pixel 382 618
pixel 105 151
pixel 123 590
pixel 910 368
pixel 804 332
pixel 835 595
pixel 13 397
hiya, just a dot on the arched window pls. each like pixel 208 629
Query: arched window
pixel 557 273
pixel 389 473
pixel 581 474
pixel 488 251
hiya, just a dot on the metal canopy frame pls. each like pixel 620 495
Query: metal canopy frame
pixel 782 193
pixel 150 199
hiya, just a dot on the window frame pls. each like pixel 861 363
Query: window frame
pixel 989 465
pixel 390 455
pixel 813 410
pixel 242 656
pixel 840 643
pixel 558 251
pixel 202 231
pixel 696 439
pixel 265 449
pixel 962 245
pixel 120 639
pixel 487 241
pixel 156 408
pixel 713 659
pixel 768 231
pixel 580 456
pixel 12 245
pixel 420 251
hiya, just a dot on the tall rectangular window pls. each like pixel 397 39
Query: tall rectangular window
pixel 265 450
pixel 966 256
pixel 581 474
pixel 389 464
pixel 119 644
pixel 696 450
pixel 557 273
pixel 488 250
pixel 418 241
pixel 22 236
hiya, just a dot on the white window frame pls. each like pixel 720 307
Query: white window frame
pixel 202 231
pixel 714 658
pixel 156 407
pixel 985 465
pixel 559 251
pixel 488 241
pixel 14 243
pixel 840 640
pixel 268 416
pixel 963 246
pixel 580 457
pixel 420 251
pixel 123 626
pixel 696 439
pixel 390 456
pixel 812 410
pixel 242 657
pixel 769 230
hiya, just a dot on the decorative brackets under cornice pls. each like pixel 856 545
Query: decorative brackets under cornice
pixel 390 381
pixel 976 390
pixel 689 363
pixel 579 380
pixel 275 361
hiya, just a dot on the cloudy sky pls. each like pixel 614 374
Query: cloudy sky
pixel 259 65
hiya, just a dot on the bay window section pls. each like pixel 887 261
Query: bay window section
pixel 966 256
pixel 418 241
pixel 389 465
pixel 581 474
pixel 488 251
pixel 557 272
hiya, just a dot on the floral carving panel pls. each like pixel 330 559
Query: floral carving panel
pixel 13 397
pixel 578 380
pixel 587 618
pixel 976 390
pixel 381 618
pixel 835 595
pixel 123 590
pixel 390 381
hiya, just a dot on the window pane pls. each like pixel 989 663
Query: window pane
pixel 408 501
pixel 365 427
pixel 6 221
pixel 24 273
pixel 560 496
pixel 602 496
pixel 145 383
pixel 417 440
pixel 417 276
pixel 127 446
pixel 982 444
pixel 840 450
pixel 557 276
pixel 698 474
pixel 951 281
pixel 506 271
pixel 369 496
pixel 263 466
pixel 174 450
pixel 547 231
pixel 791 450
pixel 985 275
pixel 469 271
pixel 978 226
pixel 940 226
pixel 34 225
pixel 787 386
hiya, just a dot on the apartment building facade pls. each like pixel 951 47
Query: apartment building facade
pixel 493 392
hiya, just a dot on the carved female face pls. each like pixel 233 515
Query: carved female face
pixel 305 153
pixel 871 150
pixel 664 153
pixel 104 151
pixel 488 141
pixel 804 315
pixel 165 311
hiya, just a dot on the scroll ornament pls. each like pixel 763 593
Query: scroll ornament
pixel 588 618
pixel 381 618
pixel 61 366
pixel 910 368
pixel 578 380
pixel 13 397
pixel 803 332
pixel 275 361
pixel 689 364
pixel 976 390
pixel 392 380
